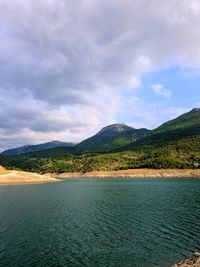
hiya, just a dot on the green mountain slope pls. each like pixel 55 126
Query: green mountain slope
pixel 184 121
pixel 107 139
pixel 112 136
pixel 175 144
pixel 185 127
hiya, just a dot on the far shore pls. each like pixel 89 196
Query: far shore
pixel 133 173
pixel 10 177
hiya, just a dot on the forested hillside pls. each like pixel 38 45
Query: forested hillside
pixel 175 144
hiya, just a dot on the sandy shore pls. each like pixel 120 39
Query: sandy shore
pixel 136 173
pixel 18 177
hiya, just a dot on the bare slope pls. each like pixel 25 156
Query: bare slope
pixel 20 177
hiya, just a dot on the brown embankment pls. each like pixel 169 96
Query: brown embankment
pixel 18 177
pixel 134 173
pixel 192 262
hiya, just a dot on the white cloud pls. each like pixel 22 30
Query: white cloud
pixel 195 6
pixel 160 90
pixel 67 65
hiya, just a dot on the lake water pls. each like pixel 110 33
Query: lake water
pixel 99 222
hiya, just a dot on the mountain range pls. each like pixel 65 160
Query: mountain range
pixel 174 144
pixel 123 137
pixel 109 137
pixel 39 147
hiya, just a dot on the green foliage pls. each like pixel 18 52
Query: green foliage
pixel 176 132
pixel 175 155
pixel 175 144
pixel 110 138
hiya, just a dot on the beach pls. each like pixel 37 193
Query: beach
pixel 9 177
pixel 133 173
pixel 22 177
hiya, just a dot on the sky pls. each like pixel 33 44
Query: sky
pixel 68 68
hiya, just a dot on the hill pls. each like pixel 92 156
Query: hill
pixel 179 132
pixel 107 139
pixel 174 144
pixel 112 136
pixel 33 148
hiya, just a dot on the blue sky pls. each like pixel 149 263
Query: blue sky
pixel 183 83
pixel 180 93
pixel 68 68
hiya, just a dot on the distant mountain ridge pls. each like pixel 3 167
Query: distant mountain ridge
pixel 174 144
pixel 109 137
pixel 120 137
pixel 39 147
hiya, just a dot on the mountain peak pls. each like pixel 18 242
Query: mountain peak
pixel 116 128
pixel 114 135
pixel 195 110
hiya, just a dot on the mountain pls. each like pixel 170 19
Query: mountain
pixel 113 136
pixel 107 139
pixel 180 132
pixel 174 144
pixel 185 127
pixel 40 147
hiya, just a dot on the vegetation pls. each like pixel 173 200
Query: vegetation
pixel 182 154
pixel 175 144
pixel 184 127
pixel 112 137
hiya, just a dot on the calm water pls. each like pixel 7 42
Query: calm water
pixel 99 222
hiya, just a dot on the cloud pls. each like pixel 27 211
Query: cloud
pixel 65 66
pixel 160 90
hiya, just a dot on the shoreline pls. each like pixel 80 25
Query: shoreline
pixel 194 261
pixel 14 177
pixel 132 173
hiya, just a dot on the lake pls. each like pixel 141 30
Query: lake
pixel 99 222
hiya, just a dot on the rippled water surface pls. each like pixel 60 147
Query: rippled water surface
pixel 99 222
